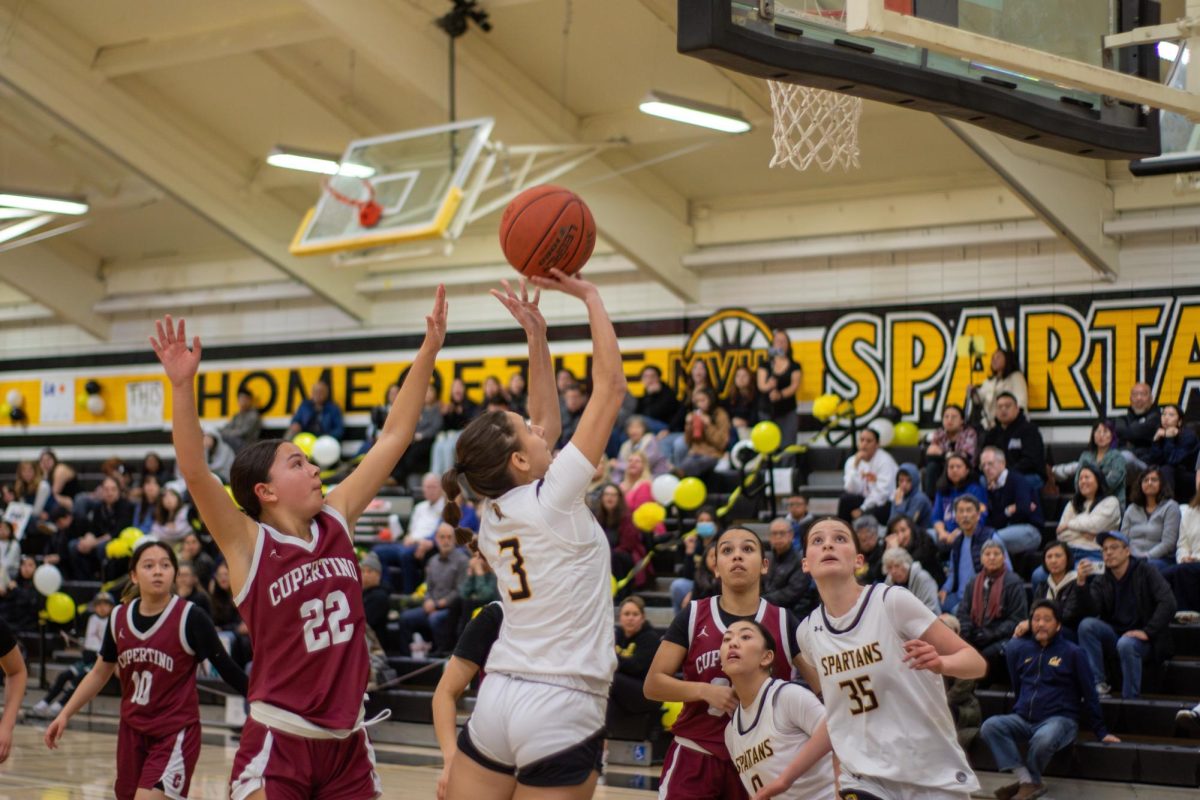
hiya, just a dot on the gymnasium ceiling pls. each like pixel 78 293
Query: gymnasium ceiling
pixel 161 113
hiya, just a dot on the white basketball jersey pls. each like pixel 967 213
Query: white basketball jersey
pixel 764 741
pixel 554 576
pixel 885 720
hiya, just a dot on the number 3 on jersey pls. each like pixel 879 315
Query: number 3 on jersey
pixel 318 635
pixel 518 569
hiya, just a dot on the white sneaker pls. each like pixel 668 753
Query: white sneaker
pixel 55 708
pixel 1103 689
pixel 40 709
pixel 1187 715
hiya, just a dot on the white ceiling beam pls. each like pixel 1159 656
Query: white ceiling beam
pixel 156 143
pixel 52 277
pixel 405 44
pixel 219 296
pixel 606 265
pixel 128 58
pixel 1069 193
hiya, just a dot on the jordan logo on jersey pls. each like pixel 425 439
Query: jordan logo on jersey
pixel 703 632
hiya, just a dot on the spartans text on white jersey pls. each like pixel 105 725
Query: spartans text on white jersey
pixel 885 719
pixel 765 738
pixel 552 565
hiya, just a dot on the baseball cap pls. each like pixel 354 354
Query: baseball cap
pixel 104 597
pixel 1104 537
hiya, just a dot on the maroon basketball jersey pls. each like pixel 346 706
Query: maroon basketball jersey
pixel 157 669
pixel 700 722
pixel 303 605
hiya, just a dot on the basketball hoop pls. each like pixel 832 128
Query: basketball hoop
pixel 814 126
pixel 369 211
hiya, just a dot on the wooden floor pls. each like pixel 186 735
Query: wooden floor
pixel 82 769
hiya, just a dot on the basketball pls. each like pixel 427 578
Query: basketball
pixel 547 227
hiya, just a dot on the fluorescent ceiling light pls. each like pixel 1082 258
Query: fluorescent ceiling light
pixel 21 228
pixel 52 205
pixel 16 213
pixel 692 112
pixel 321 163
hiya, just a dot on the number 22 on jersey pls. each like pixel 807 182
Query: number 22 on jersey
pixel 523 592
pixel 323 621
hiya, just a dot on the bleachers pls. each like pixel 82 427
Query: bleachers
pixel 1154 749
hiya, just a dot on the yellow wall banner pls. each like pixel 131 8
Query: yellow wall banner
pixel 1080 354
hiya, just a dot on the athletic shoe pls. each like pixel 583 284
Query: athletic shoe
pixel 1030 790
pixel 55 707
pixel 1103 689
pixel 1187 617
pixel 1187 716
pixel 42 709
pixel 1007 792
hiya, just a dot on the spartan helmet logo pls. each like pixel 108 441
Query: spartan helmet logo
pixel 725 341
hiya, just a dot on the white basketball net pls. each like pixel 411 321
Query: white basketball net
pixel 814 126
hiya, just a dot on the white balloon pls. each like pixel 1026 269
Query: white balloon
pixel 326 451
pixel 47 579
pixel 14 398
pixel 663 489
pixel 885 429
pixel 95 404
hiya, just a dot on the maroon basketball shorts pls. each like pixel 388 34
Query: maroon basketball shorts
pixel 691 775
pixel 156 762
pixel 295 767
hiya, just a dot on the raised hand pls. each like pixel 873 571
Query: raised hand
pixel 435 321
pixel 567 284
pixel 171 347
pixel 524 310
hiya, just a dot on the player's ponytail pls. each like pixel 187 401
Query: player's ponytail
pixel 452 514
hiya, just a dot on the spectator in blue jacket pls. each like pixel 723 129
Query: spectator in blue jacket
pixel 318 415
pixel 909 501
pixel 958 481
pixel 1013 508
pixel 966 551
pixel 1055 672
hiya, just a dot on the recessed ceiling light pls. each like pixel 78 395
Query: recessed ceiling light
pixel 37 202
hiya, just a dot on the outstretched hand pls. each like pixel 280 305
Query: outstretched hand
pixel 524 310
pixel 567 284
pixel 435 321
pixel 171 347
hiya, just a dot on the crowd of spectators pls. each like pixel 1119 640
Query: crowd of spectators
pixel 1105 577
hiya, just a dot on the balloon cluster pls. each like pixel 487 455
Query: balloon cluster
pixel 324 451
pixel 91 399
pixel 688 494
pixel 13 406
pixel 122 545
pixel 60 607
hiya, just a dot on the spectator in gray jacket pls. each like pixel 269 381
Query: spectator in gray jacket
pixel 245 427
pixel 903 571
pixel 1151 521
pixel 436 617
pixel 786 581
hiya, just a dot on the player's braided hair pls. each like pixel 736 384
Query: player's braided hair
pixel 482 456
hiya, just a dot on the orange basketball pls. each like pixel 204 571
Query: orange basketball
pixel 547 227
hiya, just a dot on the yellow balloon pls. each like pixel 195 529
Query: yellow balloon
pixel 305 442
pixel 649 516
pixel 118 548
pixel 825 406
pixel 690 494
pixel 670 713
pixel 131 535
pixel 614 586
pixel 766 436
pixel 60 607
pixel 906 434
